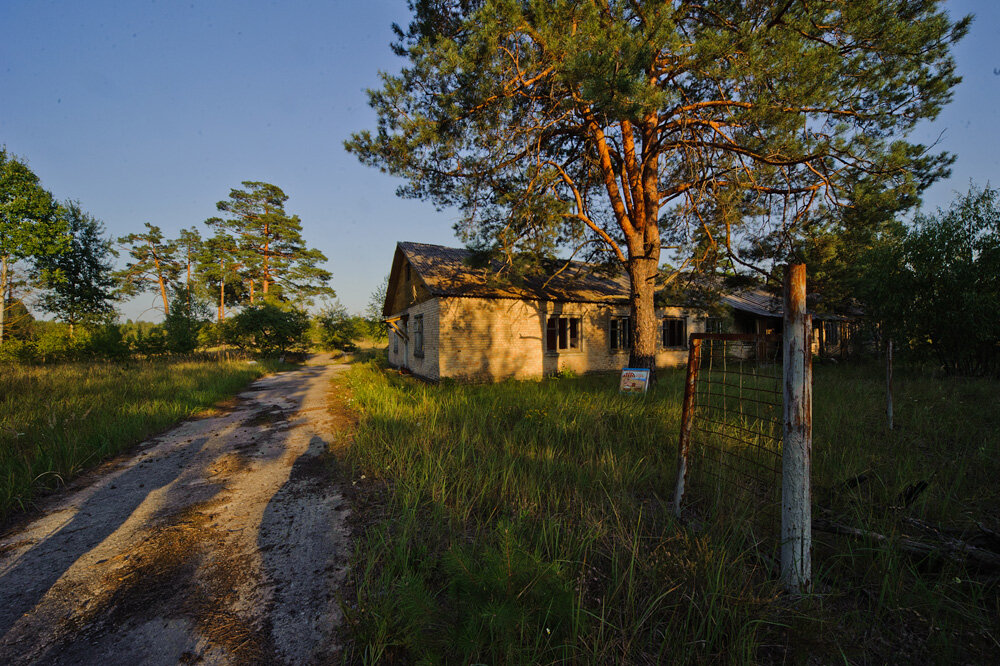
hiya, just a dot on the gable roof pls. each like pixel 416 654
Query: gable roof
pixel 447 271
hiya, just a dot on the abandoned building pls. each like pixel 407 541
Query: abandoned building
pixel 450 318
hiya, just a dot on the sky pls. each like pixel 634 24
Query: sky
pixel 151 111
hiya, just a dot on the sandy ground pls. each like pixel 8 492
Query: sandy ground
pixel 221 541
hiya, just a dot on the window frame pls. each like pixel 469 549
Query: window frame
pixel 664 331
pixel 563 333
pixel 619 330
pixel 418 336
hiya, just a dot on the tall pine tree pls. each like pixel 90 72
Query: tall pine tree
pixel 625 126
pixel 153 265
pixel 271 246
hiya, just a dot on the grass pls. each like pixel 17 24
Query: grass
pixel 58 420
pixel 530 522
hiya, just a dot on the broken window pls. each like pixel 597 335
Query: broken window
pixel 674 332
pixel 620 333
pixel 562 333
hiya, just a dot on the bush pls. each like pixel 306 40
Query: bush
pixel 183 324
pixel 935 286
pixel 335 329
pixel 269 329
pixel 19 351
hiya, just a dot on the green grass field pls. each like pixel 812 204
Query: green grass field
pixel 530 522
pixel 57 420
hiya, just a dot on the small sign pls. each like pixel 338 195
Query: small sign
pixel 634 380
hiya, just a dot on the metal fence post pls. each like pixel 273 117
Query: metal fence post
pixel 796 509
pixel 694 358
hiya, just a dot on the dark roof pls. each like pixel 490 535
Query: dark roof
pixel 762 303
pixel 755 301
pixel 448 271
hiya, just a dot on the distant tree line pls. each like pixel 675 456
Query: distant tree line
pixel 252 267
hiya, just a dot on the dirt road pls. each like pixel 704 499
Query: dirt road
pixel 221 541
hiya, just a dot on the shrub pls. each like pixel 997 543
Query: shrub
pixel 269 329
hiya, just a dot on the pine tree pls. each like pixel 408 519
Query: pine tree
pixel 218 267
pixel 625 126
pixel 271 247
pixel 188 246
pixel 153 266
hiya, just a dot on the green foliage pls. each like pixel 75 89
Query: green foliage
pixel 29 226
pixel 624 128
pixel 268 328
pixel 152 265
pixel 18 321
pixel 56 421
pixel 183 325
pixel 78 281
pixel 336 329
pixel 373 312
pixel 934 287
pixel 269 246
pixel 532 522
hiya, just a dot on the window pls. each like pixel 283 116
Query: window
pixel 832 332
pixel 714 325
pixel 562 333
pixel 620 333
pixel 674 332
pixel 418 335
pixel 395 342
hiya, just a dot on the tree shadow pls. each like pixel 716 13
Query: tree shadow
pixel 38 569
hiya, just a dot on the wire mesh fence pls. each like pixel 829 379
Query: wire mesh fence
pixel 731 444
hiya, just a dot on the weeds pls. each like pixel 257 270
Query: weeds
pixel 529 522
pixel 56 421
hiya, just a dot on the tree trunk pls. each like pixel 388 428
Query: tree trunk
pixel 642 272
pixel 159 278
pixel 267 249
pixel 4 277
pixel 222 290
pixel 251 292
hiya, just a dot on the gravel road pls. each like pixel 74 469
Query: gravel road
pixel 221 541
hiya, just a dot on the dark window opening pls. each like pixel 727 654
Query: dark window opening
pixel 562 333
pixel 620 333
pixel 714 325
pixel 418 335
pixel 674 332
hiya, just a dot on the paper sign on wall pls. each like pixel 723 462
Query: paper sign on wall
pixel 634 380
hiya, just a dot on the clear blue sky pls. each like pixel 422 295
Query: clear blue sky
pixel 151 111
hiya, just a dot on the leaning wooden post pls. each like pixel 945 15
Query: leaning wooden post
pixel 687 421
pixel 888 382
pixel 796 498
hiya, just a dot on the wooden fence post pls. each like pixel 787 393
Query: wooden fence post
pixel 687 421
pixel 796 496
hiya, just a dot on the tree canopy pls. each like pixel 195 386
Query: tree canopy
pixel 29 227
pixel 632 127
pixel 153 264
pixel 79 280
pixel 271 248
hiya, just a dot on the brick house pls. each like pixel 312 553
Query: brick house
pixel 448 318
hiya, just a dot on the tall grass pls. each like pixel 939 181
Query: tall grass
pixel 529 522
pixel 57 420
